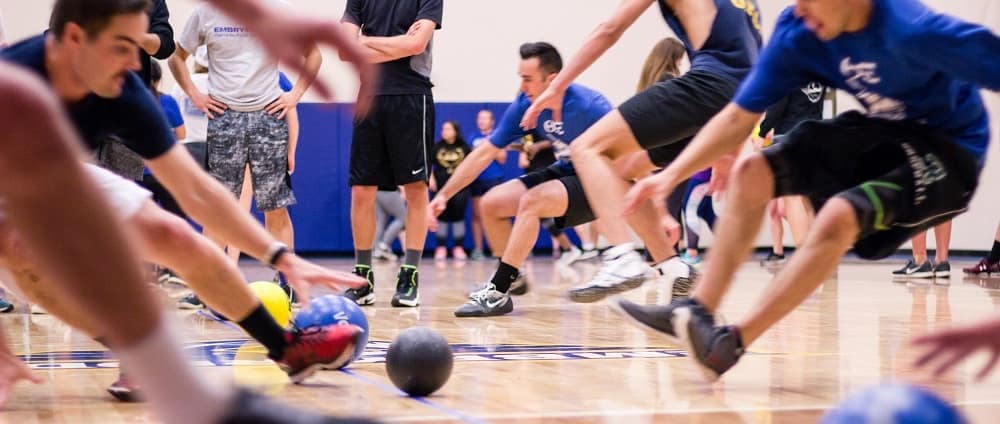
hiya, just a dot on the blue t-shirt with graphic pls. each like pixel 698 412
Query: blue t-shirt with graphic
pixel 909 63
pixel 492 172
pixel 582 107
pixel 733 44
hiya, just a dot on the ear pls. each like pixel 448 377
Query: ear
pixel 551 77
pixel 73 34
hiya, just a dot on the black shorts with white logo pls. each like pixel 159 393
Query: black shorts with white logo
pixel 578 209
pixel 390 146
pixel 672 111
pixel 901 178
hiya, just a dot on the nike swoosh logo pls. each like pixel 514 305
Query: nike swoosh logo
pixel 912 270
pixel 417 171
pixel 495 304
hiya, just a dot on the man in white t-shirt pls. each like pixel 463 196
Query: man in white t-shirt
pixel 246 110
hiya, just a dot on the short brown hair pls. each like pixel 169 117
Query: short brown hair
pixel 92 15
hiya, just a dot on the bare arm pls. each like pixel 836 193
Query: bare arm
pixel 293 137
pixel 412 43
pixel 178 68
pixel 468 170
pixel 501 157
pixel 288 101
pixel 600 40
pixel 180 132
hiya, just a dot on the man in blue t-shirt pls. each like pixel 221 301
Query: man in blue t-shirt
pixel 722 38
pixel 551 192
pixel 104 98
pixel 876 178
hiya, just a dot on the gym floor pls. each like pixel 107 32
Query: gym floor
pixel 556 361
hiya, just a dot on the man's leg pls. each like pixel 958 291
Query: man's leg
pixel 279 223
pixel 245 199
pixel 546 200
pixel 777 228
pixel 477 227
pixel 40 169
pixel 498 205
pixel 942 242
pixel 407 280
pixel 799 216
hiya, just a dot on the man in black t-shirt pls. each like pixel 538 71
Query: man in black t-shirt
pixel 389 146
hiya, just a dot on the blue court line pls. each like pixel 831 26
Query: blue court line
pixel 422 400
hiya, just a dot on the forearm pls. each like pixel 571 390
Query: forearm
pixel 214 207
pixel 178 68
pixel 293 131
pixel 150 44
pixel 313 62
pixel 467 171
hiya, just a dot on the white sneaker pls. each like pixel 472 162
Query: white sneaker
pixel 623 270
pixel 679 275
pixel 588 255
pixel 570 256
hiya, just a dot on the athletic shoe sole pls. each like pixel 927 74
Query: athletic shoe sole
pixel 405 303
pixel 307 372
pixel 596 293
pixel 615 306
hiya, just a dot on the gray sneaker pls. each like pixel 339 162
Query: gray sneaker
pixel 486 303
pixel 912 270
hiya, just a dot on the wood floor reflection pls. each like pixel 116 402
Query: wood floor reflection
pixel 556 361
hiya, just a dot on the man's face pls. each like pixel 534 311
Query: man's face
pixel 826 18
pixel 534 80
pixel 102 61
pixel 484 121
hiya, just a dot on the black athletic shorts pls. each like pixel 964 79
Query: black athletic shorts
pixel 901 178
pixel 670 112
pixel 390 146
pixel 577 208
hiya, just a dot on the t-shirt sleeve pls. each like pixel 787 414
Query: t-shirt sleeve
pixel 159 24
pixel 432 10
pixel 172 110
pixel 144 127
pixel 352 12
pixel 965 50
pixel 776 74
pixel 510 128
pixel 191 37
pixel 598 107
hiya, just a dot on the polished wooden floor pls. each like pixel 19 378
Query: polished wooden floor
pixel 556 361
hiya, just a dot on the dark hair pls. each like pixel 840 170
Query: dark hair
pixel 92 15
pixel 459 140
pixel 548 57
pixel 155 75
pixel 661 62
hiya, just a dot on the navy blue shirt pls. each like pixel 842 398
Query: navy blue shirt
pixel 582 107
pixel 732 45
pixel 909 63
pixel 134 116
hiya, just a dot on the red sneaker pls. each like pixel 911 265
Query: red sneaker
pixel 983 267
pixel 315 348
pixel 125 390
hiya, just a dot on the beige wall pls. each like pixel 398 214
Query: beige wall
pixel 475 59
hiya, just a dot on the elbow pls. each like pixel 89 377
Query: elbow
pixel 609 32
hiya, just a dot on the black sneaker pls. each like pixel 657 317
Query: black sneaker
pixel 912 270
pixel 487 302
pixel 365 295
pixel 773 259
pixel 714 349
pixel 190 302
pixel 942 270
pixel 407 282
pixel 125 390
pixel 658 318
pixel 252 408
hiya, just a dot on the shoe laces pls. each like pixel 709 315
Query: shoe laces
pixel 483 294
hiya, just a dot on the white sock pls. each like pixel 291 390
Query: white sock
pixel 176 393
pixel 588 246
pixel 619 250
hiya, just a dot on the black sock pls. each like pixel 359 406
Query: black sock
pixel 262 327
pixel 363 257
pixel 995 253
pixel 504 276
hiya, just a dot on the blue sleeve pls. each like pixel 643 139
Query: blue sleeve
pixel 285 83
pixel 598 107
pixel 964 50
pixel 172 110
pixel 510 128
pixel 778 71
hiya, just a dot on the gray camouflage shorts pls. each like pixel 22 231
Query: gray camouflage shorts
pixel 238 138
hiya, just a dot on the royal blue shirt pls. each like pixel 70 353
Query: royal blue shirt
pixel 909 63
pixel 492 172
pixel 284 83
pixel 732 45
pixel 134 116
pixel 172 110
pixel 582 107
